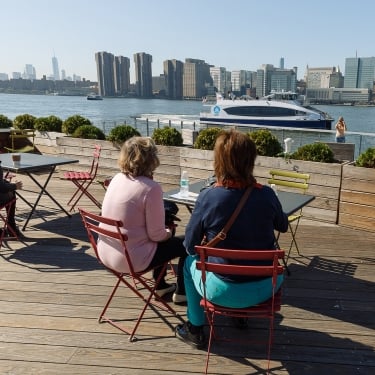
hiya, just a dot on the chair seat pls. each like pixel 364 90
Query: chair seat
pixel 71 175
pixel 83 179
pixel 262 308
pixel 292 218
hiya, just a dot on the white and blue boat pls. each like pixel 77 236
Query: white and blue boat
pixel 281 109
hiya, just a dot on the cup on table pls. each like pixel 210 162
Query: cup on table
pixel 16 159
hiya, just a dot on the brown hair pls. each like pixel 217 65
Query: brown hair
pixel 234 158
pixel 138 157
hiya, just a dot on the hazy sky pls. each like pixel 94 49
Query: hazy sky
pixel 240 34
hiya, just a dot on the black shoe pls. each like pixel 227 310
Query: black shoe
pixel 184 332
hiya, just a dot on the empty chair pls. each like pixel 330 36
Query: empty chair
pixel 22 140
pixel 83 179
pixel 139 282
pixel 267 266
pixel 296 181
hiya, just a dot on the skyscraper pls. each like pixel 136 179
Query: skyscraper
pixel 196 78
pixel 143 74
pixel 29 72
pixel 122 75
pixel 281 63
pixel 270 78
pixel 173 73
pixel 359 72
pixel 105 72
pixel 55 69
pixel 219 78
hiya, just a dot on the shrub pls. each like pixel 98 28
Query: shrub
pixel 88 132
pixel 5 122
pixel 25 121
pixel 50 123
pixel 74 122
pixel 206 138
pixel 121 133
pixel 167 136
pixel 266 143
pixel 366 159
pixel 318 151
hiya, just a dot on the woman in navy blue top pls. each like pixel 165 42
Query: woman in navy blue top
pixel 234 159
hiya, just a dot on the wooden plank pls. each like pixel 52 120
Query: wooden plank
pixel 358 185
pixel 357 210
pixel 358 222
pixel 363 198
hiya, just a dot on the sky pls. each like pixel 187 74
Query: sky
pixel 241 34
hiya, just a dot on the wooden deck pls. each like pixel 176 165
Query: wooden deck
pixel 52 290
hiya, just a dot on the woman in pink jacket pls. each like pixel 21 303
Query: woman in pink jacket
pixel 137 200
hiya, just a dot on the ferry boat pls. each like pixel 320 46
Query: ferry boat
pixel 277 109
pixel 94 96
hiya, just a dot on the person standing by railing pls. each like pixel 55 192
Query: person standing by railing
pixel 340 130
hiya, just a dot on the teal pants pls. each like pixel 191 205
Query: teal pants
pixel 221 292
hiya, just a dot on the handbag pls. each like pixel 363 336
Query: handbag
pixel 223 233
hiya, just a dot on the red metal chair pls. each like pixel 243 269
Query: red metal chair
pixel 4 208
pixel 266 309
pixel 141 283
pixel 82 180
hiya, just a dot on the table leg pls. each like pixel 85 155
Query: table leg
pixel 43 190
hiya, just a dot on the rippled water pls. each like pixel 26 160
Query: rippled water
pixel 108 113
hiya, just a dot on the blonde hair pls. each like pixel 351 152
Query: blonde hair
pixel 138 157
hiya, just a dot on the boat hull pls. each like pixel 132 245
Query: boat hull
pixel 303 124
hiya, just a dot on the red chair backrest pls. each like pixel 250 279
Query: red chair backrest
pixel 271 256
pixel 106 228
pixel 95 161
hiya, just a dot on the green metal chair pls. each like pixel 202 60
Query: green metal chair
pixel 296 181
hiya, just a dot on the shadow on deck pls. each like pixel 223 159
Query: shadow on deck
pixel 53 289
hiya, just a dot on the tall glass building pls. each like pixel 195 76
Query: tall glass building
pixel 359 72
pixel 55 69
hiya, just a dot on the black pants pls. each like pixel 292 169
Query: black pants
pixel 166 251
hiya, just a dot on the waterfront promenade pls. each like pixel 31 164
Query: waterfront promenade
pixel 53 289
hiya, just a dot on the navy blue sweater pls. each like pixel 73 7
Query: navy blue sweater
pixel 253 228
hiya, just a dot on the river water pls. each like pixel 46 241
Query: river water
pixel 108 113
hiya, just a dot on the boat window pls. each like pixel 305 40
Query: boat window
pixel 260 111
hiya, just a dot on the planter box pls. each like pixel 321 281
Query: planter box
pixel 357 201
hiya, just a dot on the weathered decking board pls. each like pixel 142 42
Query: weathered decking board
pixel 53 289
pixel 357 201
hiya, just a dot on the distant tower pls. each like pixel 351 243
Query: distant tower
pixel 55 69
pixel 105 72
pixel 143 74
pixel 281 63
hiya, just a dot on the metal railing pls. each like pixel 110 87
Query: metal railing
pixel 300 136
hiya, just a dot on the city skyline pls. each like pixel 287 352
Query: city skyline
pixel 239 36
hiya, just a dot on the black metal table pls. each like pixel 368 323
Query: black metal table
pixel 31 164
pixel 291 202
